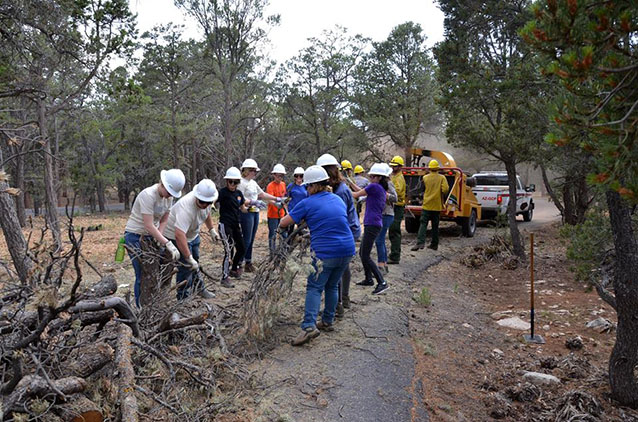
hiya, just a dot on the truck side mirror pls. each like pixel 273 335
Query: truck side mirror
pixel 531 188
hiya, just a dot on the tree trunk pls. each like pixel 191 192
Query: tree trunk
pixel 89 359
pixel 551 193
pixel 408 155
pixel 175 141
pixel 18 181
pixel 126 375
pixel 517 242
pixel 13 236
pixel 582 199
pixel 101 197
pixel 50 193
pixel 624 356
pixel 568 200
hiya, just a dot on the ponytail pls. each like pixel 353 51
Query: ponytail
pixel 384 183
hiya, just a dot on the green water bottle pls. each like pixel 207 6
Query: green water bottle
pixel 119 253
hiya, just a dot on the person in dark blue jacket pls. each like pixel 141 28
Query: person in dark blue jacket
pixel 333 247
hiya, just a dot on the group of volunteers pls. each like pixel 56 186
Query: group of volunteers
pixel 328 197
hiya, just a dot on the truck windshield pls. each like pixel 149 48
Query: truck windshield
pixel 491 180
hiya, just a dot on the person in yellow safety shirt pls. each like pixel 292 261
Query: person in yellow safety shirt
pixel 394 233
pixel 435 186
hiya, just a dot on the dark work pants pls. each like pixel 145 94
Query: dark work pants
pixel 231 239
pixel 394 233
pixel 434 217
pixel 370 234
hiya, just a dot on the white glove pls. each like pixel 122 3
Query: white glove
pixel 190 261
pixel 173 250
pixel 214 235
pixel 259 204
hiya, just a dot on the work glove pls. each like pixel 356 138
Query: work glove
pixel 214 235
pixel 170 247
pixel 259 204
pixel 190 262
pixel 282 230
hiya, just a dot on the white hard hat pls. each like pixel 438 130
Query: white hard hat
pixel 327 160
pixel 299 170
pixel 314 174
pixel 173 180
pixel 206 191
pixel 279 169
pixel 388 169
pixel 233 173
pixel 249 163
pixel 378 169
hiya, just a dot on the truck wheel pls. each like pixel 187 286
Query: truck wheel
pixel 412 224
pixel 468 225
pixel 529 214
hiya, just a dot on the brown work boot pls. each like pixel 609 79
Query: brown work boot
pixel 227 283
pixel 417 247
pixel 236 273
pixel 249 267
pixel 346 302
pixel 324 326
pixel 339 313
pixel 305 336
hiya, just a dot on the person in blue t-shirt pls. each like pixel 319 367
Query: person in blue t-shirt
pixel 332 244
pixel 339 188
pixel 296 190
pixel 376 193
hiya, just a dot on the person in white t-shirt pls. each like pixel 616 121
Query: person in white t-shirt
pixel 182 229
pixel 148 219
pixel 255 195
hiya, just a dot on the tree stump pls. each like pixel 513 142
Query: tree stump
pixel 79 409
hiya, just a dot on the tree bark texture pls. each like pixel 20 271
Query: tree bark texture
pixel 85 361
pixel 125 375
pixel 14 238
pixel 517 242
pixel 35 386
pixel 155 277
pixel 624 356
pixel 19 183
pixel 117 303
pixel 50 192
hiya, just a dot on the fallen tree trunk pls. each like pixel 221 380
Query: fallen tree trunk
pixel 79 409
pixel 105 287
pixel 35 386
pixel 116 303
pixel 173 321
pixel 90 359
pixel 125 375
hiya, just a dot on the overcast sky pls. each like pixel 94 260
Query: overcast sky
pixel 301 19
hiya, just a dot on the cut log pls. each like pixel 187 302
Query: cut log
pixel 105 287
pixel 35 386
pixel 85 361
pixel 125 375
pixel 79 409
pixel 117 303
pixel 173 321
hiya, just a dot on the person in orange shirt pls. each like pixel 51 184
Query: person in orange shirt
pixel 276 211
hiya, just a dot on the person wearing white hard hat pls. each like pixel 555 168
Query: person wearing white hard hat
pixel 339 188
pixel 183 228
pixel 231 206
pixel 250 220
pixel 376 193
pixel 296 189
pixel 148 218
pixel 276 188
pixel 387 218
pixel 333 247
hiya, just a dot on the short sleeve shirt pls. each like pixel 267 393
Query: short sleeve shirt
pixel 275 189
pixel 186 216
pixel 325 214
pixel 374 205
pixel 148 202
pixel 251 191
pixel 345 194
pixel 230 203
pixel 296 193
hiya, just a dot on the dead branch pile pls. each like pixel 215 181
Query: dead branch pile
pixel 73 353
pixel 498 250
pixel 273 281
pixel 577 406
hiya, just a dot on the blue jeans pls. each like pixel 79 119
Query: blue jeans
pixel 132 240
pixel 249 222
pixel 328 279
pixel 382 251
pixel 273 223
pixel 185 273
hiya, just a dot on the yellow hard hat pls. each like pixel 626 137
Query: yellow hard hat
pixel 397 160
pixel 358 169
pixel 434 165
pixel 345 164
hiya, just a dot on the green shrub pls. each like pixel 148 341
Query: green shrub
pixel 424 298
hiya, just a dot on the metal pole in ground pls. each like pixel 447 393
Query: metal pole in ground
pixel 531 338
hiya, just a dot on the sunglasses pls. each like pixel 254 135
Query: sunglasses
pixel 233 182
pixel 203 202
pixel 298 176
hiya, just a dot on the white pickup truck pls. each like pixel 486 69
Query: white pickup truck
pixel 492 192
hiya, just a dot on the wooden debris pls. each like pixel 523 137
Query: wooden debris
pixel 79 409
pixel 125 375
pixel 89 359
